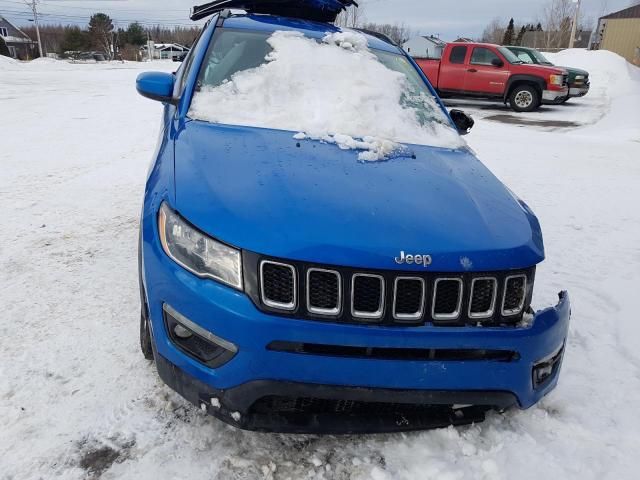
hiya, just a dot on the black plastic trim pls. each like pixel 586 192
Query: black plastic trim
pixel 235 404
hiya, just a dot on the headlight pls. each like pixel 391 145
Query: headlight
pixel 198 253
pixel 579 77
pixel 555 80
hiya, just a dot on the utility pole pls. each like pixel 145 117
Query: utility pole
pixel 574 27
pixel 33 5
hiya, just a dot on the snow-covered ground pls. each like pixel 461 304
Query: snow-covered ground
pixel 77 400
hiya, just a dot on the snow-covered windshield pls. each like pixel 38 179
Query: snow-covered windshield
pixel 334 89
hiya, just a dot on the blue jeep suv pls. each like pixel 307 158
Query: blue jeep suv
pixel 287 285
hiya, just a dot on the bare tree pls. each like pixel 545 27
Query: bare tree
pixel 399 33
pixel 352 17
pixel 557 18
pixel 494 32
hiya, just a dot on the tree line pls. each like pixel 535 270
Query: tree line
pixel 552 27
pixel 100 35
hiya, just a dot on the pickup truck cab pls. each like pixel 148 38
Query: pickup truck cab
pixel 289 282
pixel 578 78
pixel 489 71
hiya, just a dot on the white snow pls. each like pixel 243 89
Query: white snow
pixel 335 91
pixel 75 144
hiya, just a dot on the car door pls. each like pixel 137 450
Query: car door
pixel 453 69
pixel 483 76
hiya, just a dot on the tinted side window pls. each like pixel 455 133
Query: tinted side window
pixel 184 69
pixel 483 56
pixel 458 54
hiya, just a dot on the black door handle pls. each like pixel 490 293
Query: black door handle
pixel 472 70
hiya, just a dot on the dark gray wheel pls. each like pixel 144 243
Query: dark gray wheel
pixel 145 335
pixel 524 98
pixel 146 340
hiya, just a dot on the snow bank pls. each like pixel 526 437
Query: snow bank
pixel 335 91
pixel 7 63
pixel 617 81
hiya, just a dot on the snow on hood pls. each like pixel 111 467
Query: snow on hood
pixel 335 91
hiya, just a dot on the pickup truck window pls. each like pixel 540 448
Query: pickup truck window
pixel 458 54
pixel 524 56
pixel 483 56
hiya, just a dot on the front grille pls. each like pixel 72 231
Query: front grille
pixel 278 282
pixel 447 299
pixel 514 295
pixel 401 354
pixel 367 296
pixel 483 297
pixel 348 295
pixel 408 300
pixel 321 406
pixel 324 291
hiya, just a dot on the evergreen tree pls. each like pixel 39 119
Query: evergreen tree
pixel 539 27
pixel 521 33
pixel 100 28
pixel 136 34
pixel 74 40
pixel 509 34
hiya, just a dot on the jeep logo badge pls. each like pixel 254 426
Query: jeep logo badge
pixel 424 260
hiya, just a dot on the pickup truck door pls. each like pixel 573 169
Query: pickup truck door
pixel 484 77
pixel 453 69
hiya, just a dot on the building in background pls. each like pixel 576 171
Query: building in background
pixel 164 51
pixel 19 44
pixel 424 47
pixel 619 32
pixel 554 40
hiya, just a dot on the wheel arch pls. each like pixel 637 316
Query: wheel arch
pixel 516 80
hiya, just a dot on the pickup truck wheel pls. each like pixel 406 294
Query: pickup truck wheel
pixel 145 335
pixel 524 98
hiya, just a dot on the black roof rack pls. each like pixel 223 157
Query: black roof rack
pixel 317 10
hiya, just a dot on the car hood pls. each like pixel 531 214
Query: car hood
pixel 573 72
pixel 264 191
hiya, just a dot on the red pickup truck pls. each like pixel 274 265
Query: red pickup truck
pixel 483 70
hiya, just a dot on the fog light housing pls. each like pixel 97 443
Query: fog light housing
pixel 195 341
pixel 546 368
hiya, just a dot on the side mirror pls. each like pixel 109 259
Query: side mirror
pixel 463 122
pixel 496 62
pixel 156 86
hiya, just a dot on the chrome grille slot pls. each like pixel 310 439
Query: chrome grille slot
pixel 324 292
pixel 447 299
pixel 515 290
pixel 278 285
pixel 367 296
pixel 408 298
pixel 483 297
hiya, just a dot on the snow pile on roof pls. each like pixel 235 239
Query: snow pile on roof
pixel 335 91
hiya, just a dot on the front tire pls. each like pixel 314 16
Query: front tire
pixel 524 98
pixel 145 335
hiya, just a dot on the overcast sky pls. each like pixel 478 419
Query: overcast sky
pixel 450 18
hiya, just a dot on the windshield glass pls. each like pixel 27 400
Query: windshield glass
pixel 335 89
pixel 540 57
pixel 509 55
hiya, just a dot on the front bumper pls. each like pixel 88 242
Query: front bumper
pixel 578 91
pixel 230 391
pixel 555 96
